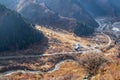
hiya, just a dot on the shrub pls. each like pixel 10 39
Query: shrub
pixel 91 63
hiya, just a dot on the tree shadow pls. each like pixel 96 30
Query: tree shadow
pixel 37 48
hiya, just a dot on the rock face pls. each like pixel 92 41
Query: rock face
pixel 102 8
pixel 62 14
pixel 15 32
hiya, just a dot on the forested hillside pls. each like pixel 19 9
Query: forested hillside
pixel 15 32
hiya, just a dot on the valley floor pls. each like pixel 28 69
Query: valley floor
pixel 56 59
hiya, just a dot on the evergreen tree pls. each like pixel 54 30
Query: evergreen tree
pixel 82 29
pixel 15 32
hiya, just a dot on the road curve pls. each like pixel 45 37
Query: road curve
pixel 102 26
pixel 57 66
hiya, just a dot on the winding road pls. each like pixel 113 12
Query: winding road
pixel 102 25
pixel 57 66
pixel 62 53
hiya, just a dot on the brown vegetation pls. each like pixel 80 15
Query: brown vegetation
pixel 110 71
pixel 91 63
pixel 70 70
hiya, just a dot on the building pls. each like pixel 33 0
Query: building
pixel 76 47
pixel 115 29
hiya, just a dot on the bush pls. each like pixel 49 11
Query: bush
pixel 91 63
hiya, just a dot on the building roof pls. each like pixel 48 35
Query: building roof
pixel 116 29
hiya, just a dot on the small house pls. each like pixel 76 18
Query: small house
pixel 76 47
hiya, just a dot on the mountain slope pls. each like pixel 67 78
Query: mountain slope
pixel 39 14
pixel 71 9
pixel 15 32
pixel 10 3
pixel 61 14
pixel 102 8
pixel 43 16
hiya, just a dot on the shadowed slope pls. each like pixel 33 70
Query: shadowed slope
pixel 15 32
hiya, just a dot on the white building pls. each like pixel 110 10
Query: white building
pixel 115 29
pixel 76 47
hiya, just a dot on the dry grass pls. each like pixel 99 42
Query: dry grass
pixel 69 70
pixel 60 41
pixel 109 72
pixel 66 39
